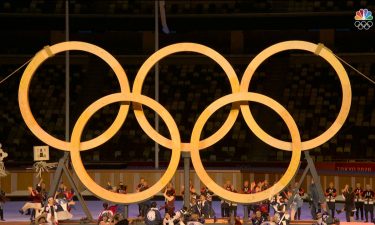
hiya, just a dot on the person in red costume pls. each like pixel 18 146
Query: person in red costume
pixel 35 203
pixel 169 195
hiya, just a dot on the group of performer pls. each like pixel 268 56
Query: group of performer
pixel 44 209
pixel 359 201
pixel 285 206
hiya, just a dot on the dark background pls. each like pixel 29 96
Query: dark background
pixel 302 82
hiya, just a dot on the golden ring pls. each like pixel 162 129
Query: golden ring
pixel 75 148
pixel 50 51
pixel 331 59
pixel 295 146
pixel 185 47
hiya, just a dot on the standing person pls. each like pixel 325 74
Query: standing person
pixel 205 208
pixel 225 205
pixel 265 186
pixel 301 193
pixel 331 194
pixel 169 195
pixel 143 206
pixel 193 193
pixel 246 190
pixel 41 188
pixel 349 204
pixel 314 199
pixel 253 187
pixel 3 199
pixel 292 203
pixel 233 205
pixel 153 216
pixel 296 203
pixel 121 188
pixel 358 201
pixel 368 197
pixel 206 192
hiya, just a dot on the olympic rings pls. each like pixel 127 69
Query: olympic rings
pixel 85 177
pixel 284 180
pixel 331 59
pixel 186 47
pixel 363 24
pixel 23 93
pixel 236 98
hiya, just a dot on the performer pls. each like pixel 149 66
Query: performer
pixel 295 201
pixel 246 190
pixel 368 197
pixel 358 201
pixel 106 212
pixel 315 199
pixel 153 216
pixel 233 205
pixel 3 199
pixel 279 206
pixel 36 203
pixel 109 186
pixel 331 194
pixel 204 207
pixel 253 189
pixel 301 193
pixel 225 205
pixel 169 195
pixel 257 218
pixel 41 188
pixel 206 192
pixel 265 186
pixel 51 209
pixel 349 206
pixel 121 189
pixel 143 206
pixel 193 193
pixel 194 208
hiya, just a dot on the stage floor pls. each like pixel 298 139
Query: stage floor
pixel 11 211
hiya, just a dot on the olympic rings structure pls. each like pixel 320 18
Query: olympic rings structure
pixel 238 98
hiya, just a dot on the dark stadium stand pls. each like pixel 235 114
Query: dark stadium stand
pixel 188 86
pixel 182 7
pixel 313 104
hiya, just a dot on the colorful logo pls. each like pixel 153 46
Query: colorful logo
pixel 363 19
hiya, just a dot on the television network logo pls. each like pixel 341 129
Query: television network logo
pixel 363 19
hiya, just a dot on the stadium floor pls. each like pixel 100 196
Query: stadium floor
pixel 11 210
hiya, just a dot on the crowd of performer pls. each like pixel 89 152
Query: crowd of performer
pixel 278 209
pixel 44 209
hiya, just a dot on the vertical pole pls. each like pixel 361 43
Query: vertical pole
pixel 126 211
pixel 77 193
pixel 186 156
pixel 316 178
pixel 67 68
pixel 156 80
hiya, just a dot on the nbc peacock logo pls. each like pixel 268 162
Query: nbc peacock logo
pixel 363 19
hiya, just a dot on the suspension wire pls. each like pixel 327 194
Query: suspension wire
pixel 342 60
pixel 15 71
pixel 353 68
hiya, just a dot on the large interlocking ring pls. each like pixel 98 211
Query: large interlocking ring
pixel 239 100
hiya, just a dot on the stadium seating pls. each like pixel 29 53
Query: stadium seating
pixel 185 90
